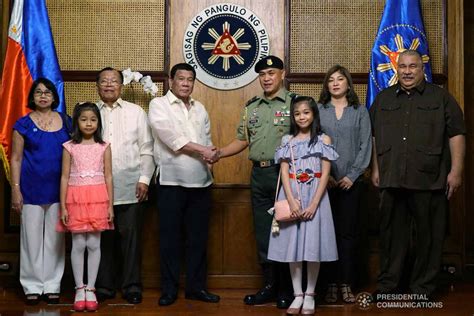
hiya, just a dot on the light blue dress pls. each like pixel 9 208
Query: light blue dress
pixel 313 240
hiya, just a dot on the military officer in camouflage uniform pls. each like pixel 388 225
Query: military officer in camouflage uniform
pixel 264 120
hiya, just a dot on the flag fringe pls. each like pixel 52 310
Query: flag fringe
pixel 6 165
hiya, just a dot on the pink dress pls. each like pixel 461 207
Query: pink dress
pixel 87 200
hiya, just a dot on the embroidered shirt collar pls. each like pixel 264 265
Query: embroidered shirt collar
pixel 101 104
pixel 174 99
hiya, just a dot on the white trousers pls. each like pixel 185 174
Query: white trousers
pixel 41 249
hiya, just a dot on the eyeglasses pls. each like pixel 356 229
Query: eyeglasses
pixel 104 83
pixel 39 93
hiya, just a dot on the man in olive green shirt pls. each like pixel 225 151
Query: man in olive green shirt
pixel 264 120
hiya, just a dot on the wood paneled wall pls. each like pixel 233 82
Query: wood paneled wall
pixel 224 106
pixel 469 116
pixel 454 244
pixel 232 254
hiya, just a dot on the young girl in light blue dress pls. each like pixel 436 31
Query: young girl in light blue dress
pixel 310 236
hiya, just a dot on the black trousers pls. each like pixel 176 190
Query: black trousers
pixel 184 221
pixel 263 185
pixel 121 251
pixel 345 205
pixel 428 211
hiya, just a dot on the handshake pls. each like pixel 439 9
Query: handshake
pixel 210 154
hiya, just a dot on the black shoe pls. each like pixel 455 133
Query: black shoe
pixel 202 295
pixel 52 298
pixel 249 299
pixel 166 299
pixel 32 299
pixel 283 303
pixel 134 297
pixel 101 296
pixel 265 295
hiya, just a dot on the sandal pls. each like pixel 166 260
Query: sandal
pixel 294 310
pixel 346 293
pixel 52 298
pixel 331 293
pixel 32 299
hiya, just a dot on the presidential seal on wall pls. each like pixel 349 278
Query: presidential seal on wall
pixel 223 43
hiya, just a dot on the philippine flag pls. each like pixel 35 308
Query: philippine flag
pixel 401 28
pixel 30 55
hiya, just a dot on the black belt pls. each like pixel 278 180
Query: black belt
pixel 264 163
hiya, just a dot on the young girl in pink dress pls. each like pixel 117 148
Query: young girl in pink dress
pixel 86 198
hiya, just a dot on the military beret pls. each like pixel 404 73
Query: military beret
pixel 269 62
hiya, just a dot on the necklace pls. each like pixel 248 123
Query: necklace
pixel 45 125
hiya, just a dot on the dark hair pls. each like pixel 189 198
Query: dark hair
pixel 182 66
pixel 315 126
pixel 50 86
pixel 351 95
pixel 97 78
pixel 76 132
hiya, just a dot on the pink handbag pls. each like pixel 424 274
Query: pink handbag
pixel 282 207
pixel 282 211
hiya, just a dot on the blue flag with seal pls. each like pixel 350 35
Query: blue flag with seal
pixel 401 28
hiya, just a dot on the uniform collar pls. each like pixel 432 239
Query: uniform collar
pixel 174 99
pixel 282 95
pixel 102 104
pixel 419 88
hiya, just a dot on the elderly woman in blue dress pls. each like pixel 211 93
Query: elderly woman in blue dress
pixel 35 175
pixel 348 124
